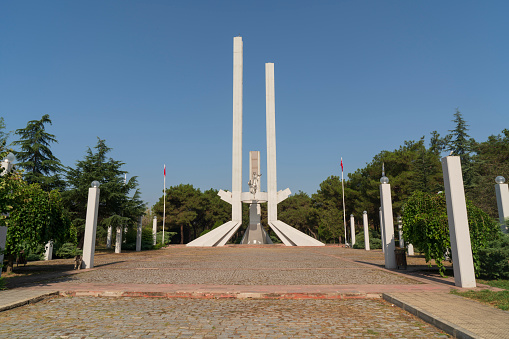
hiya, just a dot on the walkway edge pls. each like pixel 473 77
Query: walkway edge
pixel 444 325
pixel 28 301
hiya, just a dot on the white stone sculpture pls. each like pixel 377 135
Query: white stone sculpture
pixel 91 225
pixel 502 192
pixel 366 230
pixel 388 223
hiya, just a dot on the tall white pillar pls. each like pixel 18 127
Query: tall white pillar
pixel 366 231
pixel 502 193
pixel 270 106
pixel 463 263
pixel 237 130
pixel 388 222
pixel 381 228
pixel 154 231
pixel 352 229
pixel 91 225
pixel 138 235
pixel 118 240
pixel 400 233
pixel 48 250
pixel 3 241
pixel 108 237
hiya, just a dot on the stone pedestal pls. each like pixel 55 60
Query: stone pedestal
pixel 90 227
pixel 138 235
pixel 108 237
pixel 352 229
pixel 366 231
pixel 388 229
pixel 154 231
pixel 48 251
pixel 118 240
pixel 502 193
pixel 463 263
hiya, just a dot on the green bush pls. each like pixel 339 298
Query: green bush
pixel 34 253
pixel 494 259
pixel 374 243
pixel 2 284
pixel 67 250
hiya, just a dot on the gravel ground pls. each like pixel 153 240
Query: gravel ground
pixel 88 317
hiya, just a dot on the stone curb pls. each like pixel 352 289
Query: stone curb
pixel 28 301
pixel 444 325
pixel 220 295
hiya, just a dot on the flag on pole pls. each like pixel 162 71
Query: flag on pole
pixel 341 164
pixel 165 170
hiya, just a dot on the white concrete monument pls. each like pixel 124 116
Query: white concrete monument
pixel 381 228
pixel 7 165
pixel 108 237
pixel 91 225
pixel 400 233
pixel 389 243
pixel 366 230
pixel 410 249
pixel 352 229
pixel 154 231
pixel 48 250
pixel 220 235
pixel 459 232
pixel 118 240
pixel 138 234
pixel 502 192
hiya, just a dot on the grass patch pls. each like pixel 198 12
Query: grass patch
pixel 497 299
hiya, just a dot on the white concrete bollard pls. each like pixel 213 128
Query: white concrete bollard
pixel 48 251
pixel 366 231
pixel 463 263
pixel 108 237
pixel 352 229
pixel 154 230
pixel 502 192
pixel 410 249
pixel 400 233
pixel 91 225
pixel 388 221
pixel 118 240
pixel 381 228
pixel 138 235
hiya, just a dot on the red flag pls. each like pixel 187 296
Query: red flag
pixel 164 170
pixel 341 164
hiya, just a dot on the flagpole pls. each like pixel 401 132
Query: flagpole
pixel 343 190
pixel 164 202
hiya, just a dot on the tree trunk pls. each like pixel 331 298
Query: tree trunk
pixel 10 263
pixel 182 234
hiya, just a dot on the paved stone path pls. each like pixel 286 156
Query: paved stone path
pixel 212 318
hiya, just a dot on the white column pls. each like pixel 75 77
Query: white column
pixel 352 229
pixel 388 222
pixel 410 249
pixel 108 237
pixel 154 230
pixel 48 251
pixel 3 240
pixel 463 263
pixel 400 233
pixel 138 235
pixel 502 193
pixel 270 105
pixel 237 130
pixel 118 240
pixel 125 234
pixel 91 226
pixel 366 231
pixel 381 228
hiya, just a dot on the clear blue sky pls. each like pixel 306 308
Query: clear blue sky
pixel 154 78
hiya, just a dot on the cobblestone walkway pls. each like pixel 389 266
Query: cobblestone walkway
pixel 211 318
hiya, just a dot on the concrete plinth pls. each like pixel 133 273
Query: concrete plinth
pixel 118 240
pixel 461 248
pixel 502 192
pixel 388 223
pixel 154 231
pixel 109 236
pixel 138 235
pixel 410 249
pixel 366 230
pixel 90 227
pixel 352 229
pixel 48 251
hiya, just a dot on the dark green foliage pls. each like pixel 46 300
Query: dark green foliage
pixel 35 156
pixel 425 225
pixel 67 250
pixel 374 243
pixel 34 253
pixel 494 259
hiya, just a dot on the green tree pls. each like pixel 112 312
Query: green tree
pixel 297 211
pixel 35 156
pixel 3 134
pixel 119 200
pixel 425 225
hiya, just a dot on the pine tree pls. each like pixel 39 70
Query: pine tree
pixel 35 156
